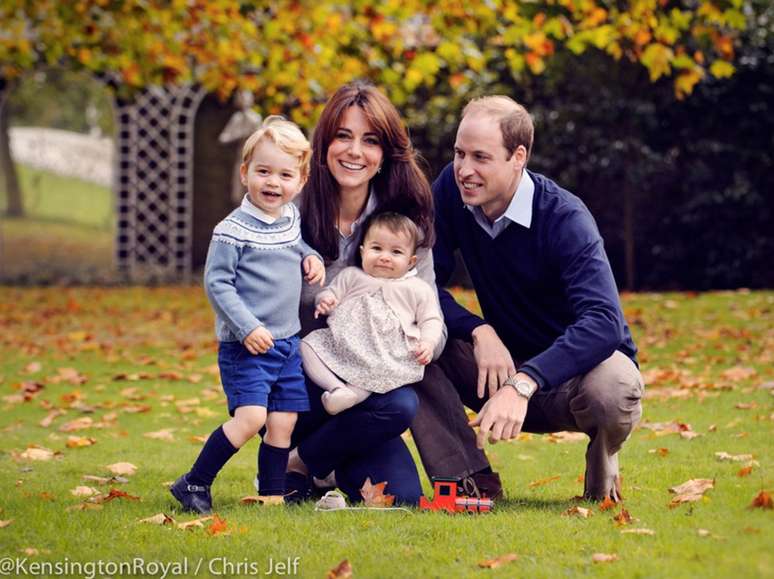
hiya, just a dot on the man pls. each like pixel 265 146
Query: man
pixel 553 351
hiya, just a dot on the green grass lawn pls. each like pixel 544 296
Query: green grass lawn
pixel 67 233
pixel 143 361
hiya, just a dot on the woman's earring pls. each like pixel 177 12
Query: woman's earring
pixel 379 170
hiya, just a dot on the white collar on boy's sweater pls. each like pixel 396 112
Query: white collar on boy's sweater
pixel 248 207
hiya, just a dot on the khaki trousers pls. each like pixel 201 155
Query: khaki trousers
pixel 604 404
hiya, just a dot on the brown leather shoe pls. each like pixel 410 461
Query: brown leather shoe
pixel 481 485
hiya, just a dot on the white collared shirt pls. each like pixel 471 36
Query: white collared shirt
pixel 519 210
pixel 251 209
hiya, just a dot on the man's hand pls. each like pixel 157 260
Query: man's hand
pixel 423 352
pixel 325 305
pixel 314 270
pixel 501 418
pixel 492 358
pixel 259 341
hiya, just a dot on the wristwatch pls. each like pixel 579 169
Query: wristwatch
pixel 523 387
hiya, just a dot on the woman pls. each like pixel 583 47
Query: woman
pixel 363 162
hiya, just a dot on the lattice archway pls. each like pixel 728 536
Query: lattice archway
pixel 154 183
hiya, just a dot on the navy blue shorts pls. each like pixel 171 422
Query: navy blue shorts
pixel 273 380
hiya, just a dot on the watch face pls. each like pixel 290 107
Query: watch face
pixel 523 388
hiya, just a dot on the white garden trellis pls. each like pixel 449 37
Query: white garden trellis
pixel 153 181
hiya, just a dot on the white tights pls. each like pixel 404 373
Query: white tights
pixel 339 395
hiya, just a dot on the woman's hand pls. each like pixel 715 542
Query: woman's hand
pixel 259 341
pixel 325 305
pixel 314 270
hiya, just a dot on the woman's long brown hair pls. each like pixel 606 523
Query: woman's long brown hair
pixel 400 186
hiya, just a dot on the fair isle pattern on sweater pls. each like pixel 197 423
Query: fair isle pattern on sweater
pixel 237 231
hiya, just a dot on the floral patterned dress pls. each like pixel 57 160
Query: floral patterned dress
pixel 365 345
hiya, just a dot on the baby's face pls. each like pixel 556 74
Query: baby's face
pixel 387 254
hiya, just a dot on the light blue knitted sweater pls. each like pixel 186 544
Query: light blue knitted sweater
pixel 253 273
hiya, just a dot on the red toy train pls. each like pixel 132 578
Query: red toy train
pixel 449 497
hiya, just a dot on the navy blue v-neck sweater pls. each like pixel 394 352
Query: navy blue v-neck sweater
pixel 547 290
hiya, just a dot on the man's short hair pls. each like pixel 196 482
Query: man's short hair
pixel 515 122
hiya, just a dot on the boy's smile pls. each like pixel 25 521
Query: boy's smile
pixel 272 177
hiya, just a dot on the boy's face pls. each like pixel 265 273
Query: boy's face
pixel 387 254
pixel 272 177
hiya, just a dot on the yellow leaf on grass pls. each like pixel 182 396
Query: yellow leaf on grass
pixel 164 434
pixel 578 512
pixel 78 424
pixel 604 557
pixel 80 441
pixel 84 491
pixel 640 531
pixel 4 524
pixel 498 561
pixel 266 501
pixel 690 491
pixel 159 519
pixel 196 523
pixel 37 453
pixel 122 468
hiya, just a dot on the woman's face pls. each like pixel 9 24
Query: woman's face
pixel 355 154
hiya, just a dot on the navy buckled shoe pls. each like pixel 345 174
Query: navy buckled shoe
pixel 196 498
pixel 298 488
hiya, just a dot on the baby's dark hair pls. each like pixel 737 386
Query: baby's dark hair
pixel 396 223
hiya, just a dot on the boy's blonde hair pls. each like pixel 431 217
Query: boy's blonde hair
pixel 287 136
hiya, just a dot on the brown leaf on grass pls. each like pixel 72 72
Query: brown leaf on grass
pixel 218 526
pixel 194 524
pixel 5 523
pixel 604 557
pixel 578 512
pixel 266 501
pixel 565 436
pixel 623 518
pixel 607 504
pixel 690 491
pixel 50 417
pixel 136 408
pixel 746 405
pixel 159 519
pixel 689 434
pixel 70 375
pixel 29 390
pixel 745 471
pixel 341 571
pixel 170 375
pixel 498 562
pixel 373 494
pixel 666 428
pixel 122 468
pixel 724 456
pixel 198 438
pixel 38 453
pixel 103 480
pixel 638 531
pixel 80 441
pixel 543 481
pixel 81 423
pixel 738 373
pixel 112 495
pixel 84 491
pixel 32 368
pixel 164 434
pixel 762 501
pixel 133 393
pixel 659 451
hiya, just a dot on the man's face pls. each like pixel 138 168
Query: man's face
pixel 486 176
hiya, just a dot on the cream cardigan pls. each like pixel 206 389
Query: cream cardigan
pixel 411 299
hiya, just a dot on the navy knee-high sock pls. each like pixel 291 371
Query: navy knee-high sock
pixel 216 452
pixel 272 462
